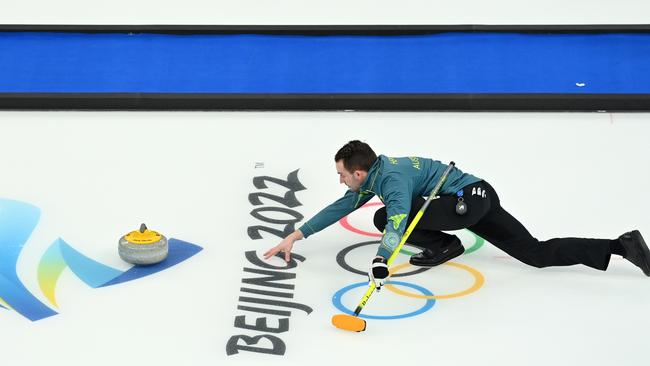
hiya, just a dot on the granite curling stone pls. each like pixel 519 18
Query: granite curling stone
pixel 143 247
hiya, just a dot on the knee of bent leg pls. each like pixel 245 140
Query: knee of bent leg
pixel 380 219
pixel 535 258
pixel 536 262
pixel 529 250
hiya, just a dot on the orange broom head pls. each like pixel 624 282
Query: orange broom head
pixel 349 322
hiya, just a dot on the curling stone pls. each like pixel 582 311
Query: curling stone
pixel 143 246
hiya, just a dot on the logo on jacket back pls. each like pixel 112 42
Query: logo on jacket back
pixel 17 222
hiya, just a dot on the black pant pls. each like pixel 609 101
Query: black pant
pixel 486 218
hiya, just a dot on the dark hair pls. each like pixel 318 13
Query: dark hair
pixel 356 155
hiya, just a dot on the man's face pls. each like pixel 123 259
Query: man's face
pixel 351 179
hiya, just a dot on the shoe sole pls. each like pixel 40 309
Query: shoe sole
pixel 645 252
pixel 437 263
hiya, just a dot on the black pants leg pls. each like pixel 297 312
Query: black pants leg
pixel 508 234
pixel 488 219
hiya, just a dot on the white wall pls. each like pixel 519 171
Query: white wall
pixel 324 12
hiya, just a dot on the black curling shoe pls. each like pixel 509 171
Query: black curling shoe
pixel 636 250
pixel 429 258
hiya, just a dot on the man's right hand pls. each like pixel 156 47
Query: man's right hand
pixel 285 246
pixel 379 272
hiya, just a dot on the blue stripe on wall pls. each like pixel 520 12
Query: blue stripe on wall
pixel 437 63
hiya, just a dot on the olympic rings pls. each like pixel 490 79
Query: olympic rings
pixel 430 298
pixel 479 280
pixel 346 224
pixel 340 259
pixel 478 243
pixel 336 300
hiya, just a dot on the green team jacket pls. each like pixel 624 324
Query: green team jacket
pixel 396 181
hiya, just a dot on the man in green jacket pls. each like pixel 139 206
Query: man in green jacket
pixel 465 202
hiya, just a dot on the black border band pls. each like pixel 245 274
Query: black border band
pixel 327 29
pixel 300 102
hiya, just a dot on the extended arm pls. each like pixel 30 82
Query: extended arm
pixel 326 217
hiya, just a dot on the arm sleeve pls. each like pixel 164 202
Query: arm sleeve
pixel 334 212
pixel 397 198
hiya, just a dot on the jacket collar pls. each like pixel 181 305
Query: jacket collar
pixel 375 170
